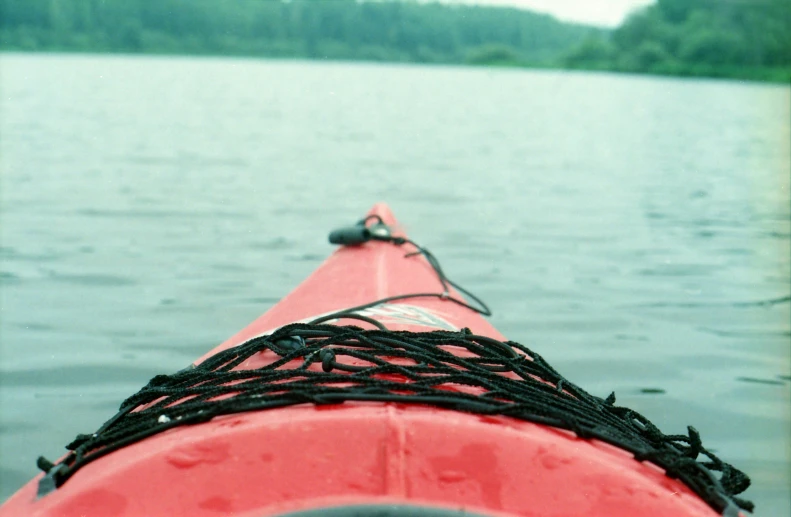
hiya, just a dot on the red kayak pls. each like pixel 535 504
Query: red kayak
pixel 377 388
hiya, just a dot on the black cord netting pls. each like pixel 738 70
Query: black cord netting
pixel 452 370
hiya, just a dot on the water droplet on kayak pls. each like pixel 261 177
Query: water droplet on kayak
pixel 191 455
pixel 217 504
pixel 552 461
pixel 232 422
pixel 451 476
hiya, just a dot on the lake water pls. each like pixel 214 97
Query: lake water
pixel 627 228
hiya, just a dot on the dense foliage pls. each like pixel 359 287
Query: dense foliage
pixel 334 29
pixel 736 38
pixel 719 38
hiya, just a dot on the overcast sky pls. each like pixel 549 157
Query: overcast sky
pixel 607 13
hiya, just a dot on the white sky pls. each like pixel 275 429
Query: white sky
pixel 608 13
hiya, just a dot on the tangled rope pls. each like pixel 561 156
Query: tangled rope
pixel 327 364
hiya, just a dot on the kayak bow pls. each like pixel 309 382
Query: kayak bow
pixel 313 409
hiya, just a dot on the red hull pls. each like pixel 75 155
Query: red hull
pixel 301 457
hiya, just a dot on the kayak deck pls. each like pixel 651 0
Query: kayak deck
pixel 358 275
pixel 311 456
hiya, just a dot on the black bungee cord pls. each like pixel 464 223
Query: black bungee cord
pixel 360 233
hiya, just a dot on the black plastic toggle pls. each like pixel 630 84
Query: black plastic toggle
pixel 291 343
pixel 350 236
pixel 49 483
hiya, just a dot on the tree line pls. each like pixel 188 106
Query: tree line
pixel 714 38
pixel 329 29
pixel 720 38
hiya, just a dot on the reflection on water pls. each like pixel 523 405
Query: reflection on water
pixel 633 230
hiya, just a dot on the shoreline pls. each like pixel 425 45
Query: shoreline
pixel 776 76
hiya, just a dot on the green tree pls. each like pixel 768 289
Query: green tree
pixel 649 56
pixel 493 54
pixel 594 52
pixel 711 47
pixel 693 37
